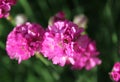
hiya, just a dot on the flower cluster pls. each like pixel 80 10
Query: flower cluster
pixel 24 41
pixel 63 42
pixel 115 74
pixel 5 7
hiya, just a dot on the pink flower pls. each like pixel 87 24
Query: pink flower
pixel 64 44
pixel 116 66
pixel 5 7
pixel 24 41
pixel 92 55
pixel 115 74
pixel 88 57
pixel 57 44
pixel 4 10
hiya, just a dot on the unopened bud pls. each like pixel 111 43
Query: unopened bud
pixel 59 16
pixel 81 20
pixel 20 19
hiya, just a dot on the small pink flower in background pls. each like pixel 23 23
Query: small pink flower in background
pixel 115 76
pixel 115 73
pixel 5 7
pixel 116 67
pixel 24 41
pixel 4 10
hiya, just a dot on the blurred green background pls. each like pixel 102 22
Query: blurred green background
pixel 103 27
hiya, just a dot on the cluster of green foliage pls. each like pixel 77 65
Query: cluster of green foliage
pixel 103 26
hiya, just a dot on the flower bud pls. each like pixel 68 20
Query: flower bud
pixel 20 19
pixel 81 20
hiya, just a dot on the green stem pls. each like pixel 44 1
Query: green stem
pixel 47 63
pixel 42 59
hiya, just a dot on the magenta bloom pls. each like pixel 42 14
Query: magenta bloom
pixel 24 41
pixel 4 10
pixel 115 74
pixel 88 57
pixel 116 66
pixel 58 42
pixel 5 7
pixel 64 44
